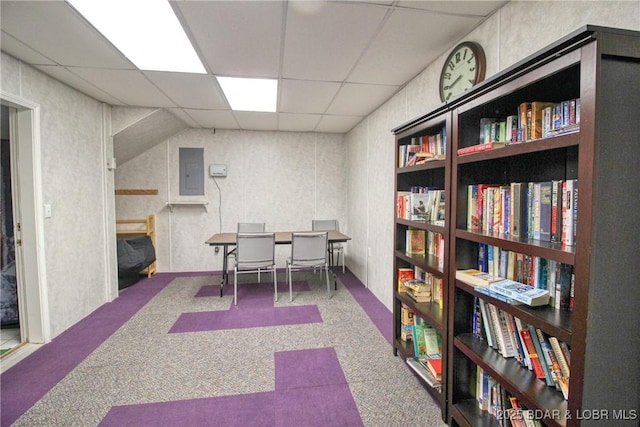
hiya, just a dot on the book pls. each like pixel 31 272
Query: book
pixel 556 211
pixel 424 373
pixel 416 242
pixel 520 292
pixel 539 341
pixel 435 367
pixel 524 116
pixel 433 343
pixel 495 295
pixel 480 147
pixel 419 206
pixel 537 108
pixel 419 348
pixel 505 348
pixel 531 351
pixel 404 273
pixel 486 323
pixel 475 277
pixel 545 211
pixel 562 361
pixel 511 128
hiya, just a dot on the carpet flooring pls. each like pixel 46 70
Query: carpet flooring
pixel 170 351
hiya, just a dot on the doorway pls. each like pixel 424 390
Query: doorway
pixel 10 336
pixel 26 202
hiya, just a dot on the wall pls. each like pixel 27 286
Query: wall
pixel 516 31
pixel 76 184
pixel 285 179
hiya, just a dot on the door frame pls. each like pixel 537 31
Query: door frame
pixel 26 174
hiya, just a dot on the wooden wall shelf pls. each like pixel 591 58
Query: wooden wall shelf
pixel 137 192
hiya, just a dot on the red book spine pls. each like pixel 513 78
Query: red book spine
pixel 533 355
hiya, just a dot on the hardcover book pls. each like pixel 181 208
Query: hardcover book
pixel 404 274
pixel 520 292
pixel 416 242
pixel 475 277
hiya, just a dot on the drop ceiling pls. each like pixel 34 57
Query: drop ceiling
pixel 336 61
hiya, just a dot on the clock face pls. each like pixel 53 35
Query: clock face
pixel 463 68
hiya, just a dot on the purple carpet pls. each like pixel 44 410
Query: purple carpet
pixel 30 379
pixel 257 297
pixel 310 386
pixel 311 390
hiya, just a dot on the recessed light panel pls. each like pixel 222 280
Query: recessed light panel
pixel 246 94
pixel 145 31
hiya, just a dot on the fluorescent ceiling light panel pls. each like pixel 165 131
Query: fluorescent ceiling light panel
pixel 145 31
pixel 250 94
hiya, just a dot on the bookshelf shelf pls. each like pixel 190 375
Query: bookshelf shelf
pixel 579 77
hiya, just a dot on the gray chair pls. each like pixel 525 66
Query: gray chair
pixel 308 252
pixel 247 227
pixel 335 249
pixel 255 252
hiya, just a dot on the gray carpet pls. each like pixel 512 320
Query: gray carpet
pixel 143 363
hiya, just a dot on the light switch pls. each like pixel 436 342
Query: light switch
pixel 47 211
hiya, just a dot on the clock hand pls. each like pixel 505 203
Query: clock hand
pixel 454 82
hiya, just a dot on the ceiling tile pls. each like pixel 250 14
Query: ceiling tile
pixel 256 120
pixel 39 25
pixel 304 96
pixel 179 112
pixel 407 44
pixel 236 38
pixel 131 87
pixel 478 8
pixel 297 122
pixel 213 119
pixel 337 124
pixel 360 99
pixel 65 76
pixel 20 50
pixel 199 91
pixel 325 39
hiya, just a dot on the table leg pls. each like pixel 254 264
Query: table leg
pixel 225 272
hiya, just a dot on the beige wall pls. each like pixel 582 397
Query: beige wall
pixel 76 184
pixel 284 179
pixel 516 31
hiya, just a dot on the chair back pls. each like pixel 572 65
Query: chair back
pixel 309 248
pixel 325 225
pixel 251 227
pixel 255 250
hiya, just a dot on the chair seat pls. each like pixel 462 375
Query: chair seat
pixel 254 265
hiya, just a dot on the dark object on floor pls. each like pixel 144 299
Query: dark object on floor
pixel 9 316
pixel 134 255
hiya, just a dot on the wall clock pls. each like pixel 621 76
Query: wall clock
pixel 463 68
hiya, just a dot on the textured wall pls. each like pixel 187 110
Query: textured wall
pixel 282 178
pixel 74 180
pixel 516 31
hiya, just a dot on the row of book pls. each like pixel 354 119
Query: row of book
pixel 420 285
pixel 504 407
pixel 546 356
pixel 426 341
pixel 423 149
pixel 421 204
pixel 537 272
pixel 533 120
pixel 426 243
pixel 545 211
